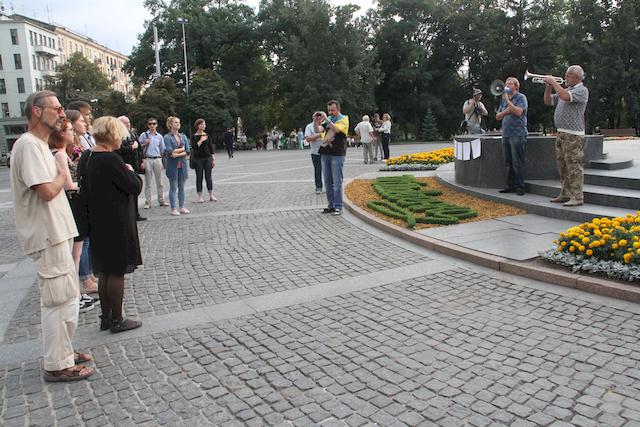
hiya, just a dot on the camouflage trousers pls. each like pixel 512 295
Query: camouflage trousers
pixel 569 153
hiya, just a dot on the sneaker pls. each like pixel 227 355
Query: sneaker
pixel 184 211
pixel 85 306
pixel 147 205
pixel 520 192
pixel 141 218
pixel 507 190
pixel 87 298
pixel 328 210
pixel 337 212
pixel 175 212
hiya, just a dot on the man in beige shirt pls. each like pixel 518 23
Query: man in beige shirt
pixel 46 228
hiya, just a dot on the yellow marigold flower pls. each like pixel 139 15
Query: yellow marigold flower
pixel 589 252
pixel 614 246
pixel 581 248
pixel 572 249
pixel 636 238
pixel 622 242
pixel 585 240
pixel 638 251
pixel 597 233
pixel 603 242
pixel 627 257
pixel 563 244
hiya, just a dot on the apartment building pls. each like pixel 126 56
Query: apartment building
pixel 31 50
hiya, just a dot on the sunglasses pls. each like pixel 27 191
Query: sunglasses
pixel 59 109
pixel 152 124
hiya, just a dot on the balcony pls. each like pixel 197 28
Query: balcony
pixel 46 50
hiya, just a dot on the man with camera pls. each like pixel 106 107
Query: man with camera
pixel 473 110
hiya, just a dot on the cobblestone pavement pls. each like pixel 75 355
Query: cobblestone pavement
pixel 462 346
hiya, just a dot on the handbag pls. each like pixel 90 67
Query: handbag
pixel 80 203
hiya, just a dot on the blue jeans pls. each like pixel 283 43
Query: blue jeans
pixel 332 167
pixel 177 185
pixel 513 155
pixel 85 268
pixel 317 170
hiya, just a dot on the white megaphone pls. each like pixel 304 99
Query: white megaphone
pixel 498 87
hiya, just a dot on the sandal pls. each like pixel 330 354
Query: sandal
pixel 124 325
pixel 75 373
pixel 79 357
pixel 105 323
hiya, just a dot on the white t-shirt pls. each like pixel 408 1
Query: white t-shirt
pixel 38 221
pixel 310 131
pixel 386 126
pixel 364 129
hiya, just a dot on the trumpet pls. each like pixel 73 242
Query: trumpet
pixel 539 78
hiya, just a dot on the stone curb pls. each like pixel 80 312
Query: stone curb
pixel 593 285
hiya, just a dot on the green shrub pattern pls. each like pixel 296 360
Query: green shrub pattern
pixel 407 199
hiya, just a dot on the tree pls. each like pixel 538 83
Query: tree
pixel 111 103
pixel 429 129
pixel 212 99
pixel 160 100
pixel 77 79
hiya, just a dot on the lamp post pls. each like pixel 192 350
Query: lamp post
pixel 183 21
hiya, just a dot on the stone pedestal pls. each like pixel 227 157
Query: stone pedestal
pixel 488 171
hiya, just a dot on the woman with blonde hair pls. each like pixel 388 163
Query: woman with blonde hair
pixel 176 146
pixel 385 134
pixel 111 187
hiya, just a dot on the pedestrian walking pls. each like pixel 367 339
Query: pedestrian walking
pixel 45 230
pixel 228 141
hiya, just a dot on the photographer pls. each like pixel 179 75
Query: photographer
pixel 473 110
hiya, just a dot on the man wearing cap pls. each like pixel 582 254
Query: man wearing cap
pixel 569 120
pixel 473 111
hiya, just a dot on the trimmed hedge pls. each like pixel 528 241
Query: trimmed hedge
pixel 408 200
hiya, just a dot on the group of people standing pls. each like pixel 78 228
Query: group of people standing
pixel 374 137
pixel 570 105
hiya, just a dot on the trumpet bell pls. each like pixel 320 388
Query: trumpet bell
pixel 496 88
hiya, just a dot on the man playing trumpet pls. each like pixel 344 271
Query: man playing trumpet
pixel 569 121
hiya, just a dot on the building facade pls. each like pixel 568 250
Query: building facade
pixel 31 50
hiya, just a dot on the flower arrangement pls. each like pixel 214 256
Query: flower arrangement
pixel 604 245
pixel 616 239
pixel 406 199
pixel 421 161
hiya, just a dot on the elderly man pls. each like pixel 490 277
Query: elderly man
pixel 333 151
pixel 46 228
pixel 513 114
pixel 365 131
pixel 130 153
pixel 473 110
pixel 569 120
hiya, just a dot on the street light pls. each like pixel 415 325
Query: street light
pixel 183 21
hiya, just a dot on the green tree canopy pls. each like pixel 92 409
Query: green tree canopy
pixel 77 79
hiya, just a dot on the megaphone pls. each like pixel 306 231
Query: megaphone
pixel 497 88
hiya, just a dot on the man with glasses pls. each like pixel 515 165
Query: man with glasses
pixel 152 148
pixel 45 229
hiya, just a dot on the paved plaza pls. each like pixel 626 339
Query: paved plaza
pixel 259 310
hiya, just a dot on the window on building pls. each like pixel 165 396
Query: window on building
pixel 3 86
pixel 15 129
pixel 1 62
pixel 40 38
pixel 14 36
pixel 18 61
pixel 20 85
pixel 5 109
pixel 53 43
pixel 31 37
pixel 22 104
pixel 35 64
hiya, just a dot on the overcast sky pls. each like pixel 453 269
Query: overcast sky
pixel 113 23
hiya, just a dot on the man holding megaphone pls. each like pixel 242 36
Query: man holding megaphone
pixel 513 115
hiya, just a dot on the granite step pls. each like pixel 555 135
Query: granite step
pixel 595 194
pixel 624 178
pixel 611 163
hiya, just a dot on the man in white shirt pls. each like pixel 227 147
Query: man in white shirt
pixel 365 132
pixel 314 138
pixel 45 229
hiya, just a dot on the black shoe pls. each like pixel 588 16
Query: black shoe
pixel 508 190
pixel 124 325
pixel 328 210
pixel 141 218
pixel 105 323
pixel 520 192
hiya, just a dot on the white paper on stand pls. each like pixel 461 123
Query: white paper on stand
pixel 466 151
pixel 476 148
pixel 456 149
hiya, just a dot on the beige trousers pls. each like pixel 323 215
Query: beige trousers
pixel 153 167
pixel 59 291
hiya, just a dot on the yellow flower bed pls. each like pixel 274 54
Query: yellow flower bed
pixel 616 239
pixel 436 157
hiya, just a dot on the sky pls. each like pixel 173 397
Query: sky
pixel 112 23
